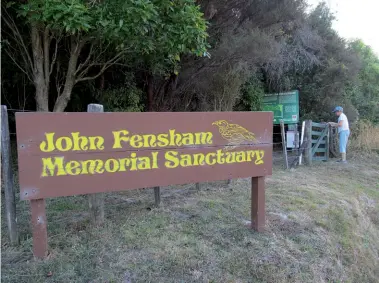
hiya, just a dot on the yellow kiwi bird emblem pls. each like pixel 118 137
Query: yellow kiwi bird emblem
pixel 234 134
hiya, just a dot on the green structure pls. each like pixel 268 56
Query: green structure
pixel 285 106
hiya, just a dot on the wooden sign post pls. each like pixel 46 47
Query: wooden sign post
pixel 65 154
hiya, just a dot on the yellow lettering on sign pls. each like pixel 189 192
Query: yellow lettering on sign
pixel 208 159
pixel 51 168
pixel 241 156
pixel 172 139
pixel 48 145
pixel 186 160
pixel 119 136
pixel 155 160
pixel 230 157
pixel 172 160
pixel 163 140
pixel 144 163
pixel 80 142
pixel 175 139
pixel 149 140
pixel 111 165
pixel 63 144
pixel 199 159
pixel 220 157
pixel 95 166
pixel 188 139
pixel 57 166
pixel 73 168
pixel 260 154
pixel 74 143
pixel 203 138
pixel 96 143
pixel 136 141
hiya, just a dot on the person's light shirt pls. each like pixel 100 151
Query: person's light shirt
pixel 345 123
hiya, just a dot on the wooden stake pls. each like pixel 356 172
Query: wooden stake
pixel 308 140
pixel 284 143
pixel 157 195
pixel 39 226
pixel 258 210
pixel 296 139
pixel 327 142
pixel 96 201
pixel 6 157
pixel 197 186
pixel 301 141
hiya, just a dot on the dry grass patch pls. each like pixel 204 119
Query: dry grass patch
pixel 365 137
pixel 322 226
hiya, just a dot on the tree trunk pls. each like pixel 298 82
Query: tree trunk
pixel 150 93
pixel 42 98
pixel 65 96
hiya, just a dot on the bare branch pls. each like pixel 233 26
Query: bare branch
pixel 106 65
pixel 58 81
pixel 13 27
pixel 98 56
pixel 11 56
pixel 46 49
pixel 57 40
pixel 81 65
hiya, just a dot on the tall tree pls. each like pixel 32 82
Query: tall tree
pixel 77 40
pixel 364 93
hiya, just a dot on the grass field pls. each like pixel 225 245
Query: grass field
pixel 322 226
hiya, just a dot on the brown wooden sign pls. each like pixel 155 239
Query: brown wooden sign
pixel 64 154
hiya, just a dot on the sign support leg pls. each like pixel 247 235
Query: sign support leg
pixel 258 217
pixel 39 226
pixel 157 195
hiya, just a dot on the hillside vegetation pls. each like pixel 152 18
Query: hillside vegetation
pixel 183 55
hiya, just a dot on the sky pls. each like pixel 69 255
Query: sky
pixel 356 19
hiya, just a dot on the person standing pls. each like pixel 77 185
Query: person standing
pixel 343 131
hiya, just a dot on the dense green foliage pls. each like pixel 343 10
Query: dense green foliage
pixel 177 56
pixel 78 40
pixel 251 95
pixel 364 94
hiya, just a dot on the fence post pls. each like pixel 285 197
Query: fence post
pixel 297 139
pixel 284 143
pixel 327 142
pixel 96 201
pixel 6 156
pixel 308 141
pixel 301 142
pixel 157 196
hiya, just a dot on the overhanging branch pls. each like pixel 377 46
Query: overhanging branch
pixel 105 66
pixel 18 39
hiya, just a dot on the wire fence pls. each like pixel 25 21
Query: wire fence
pixel 276 135
pixel 19 110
